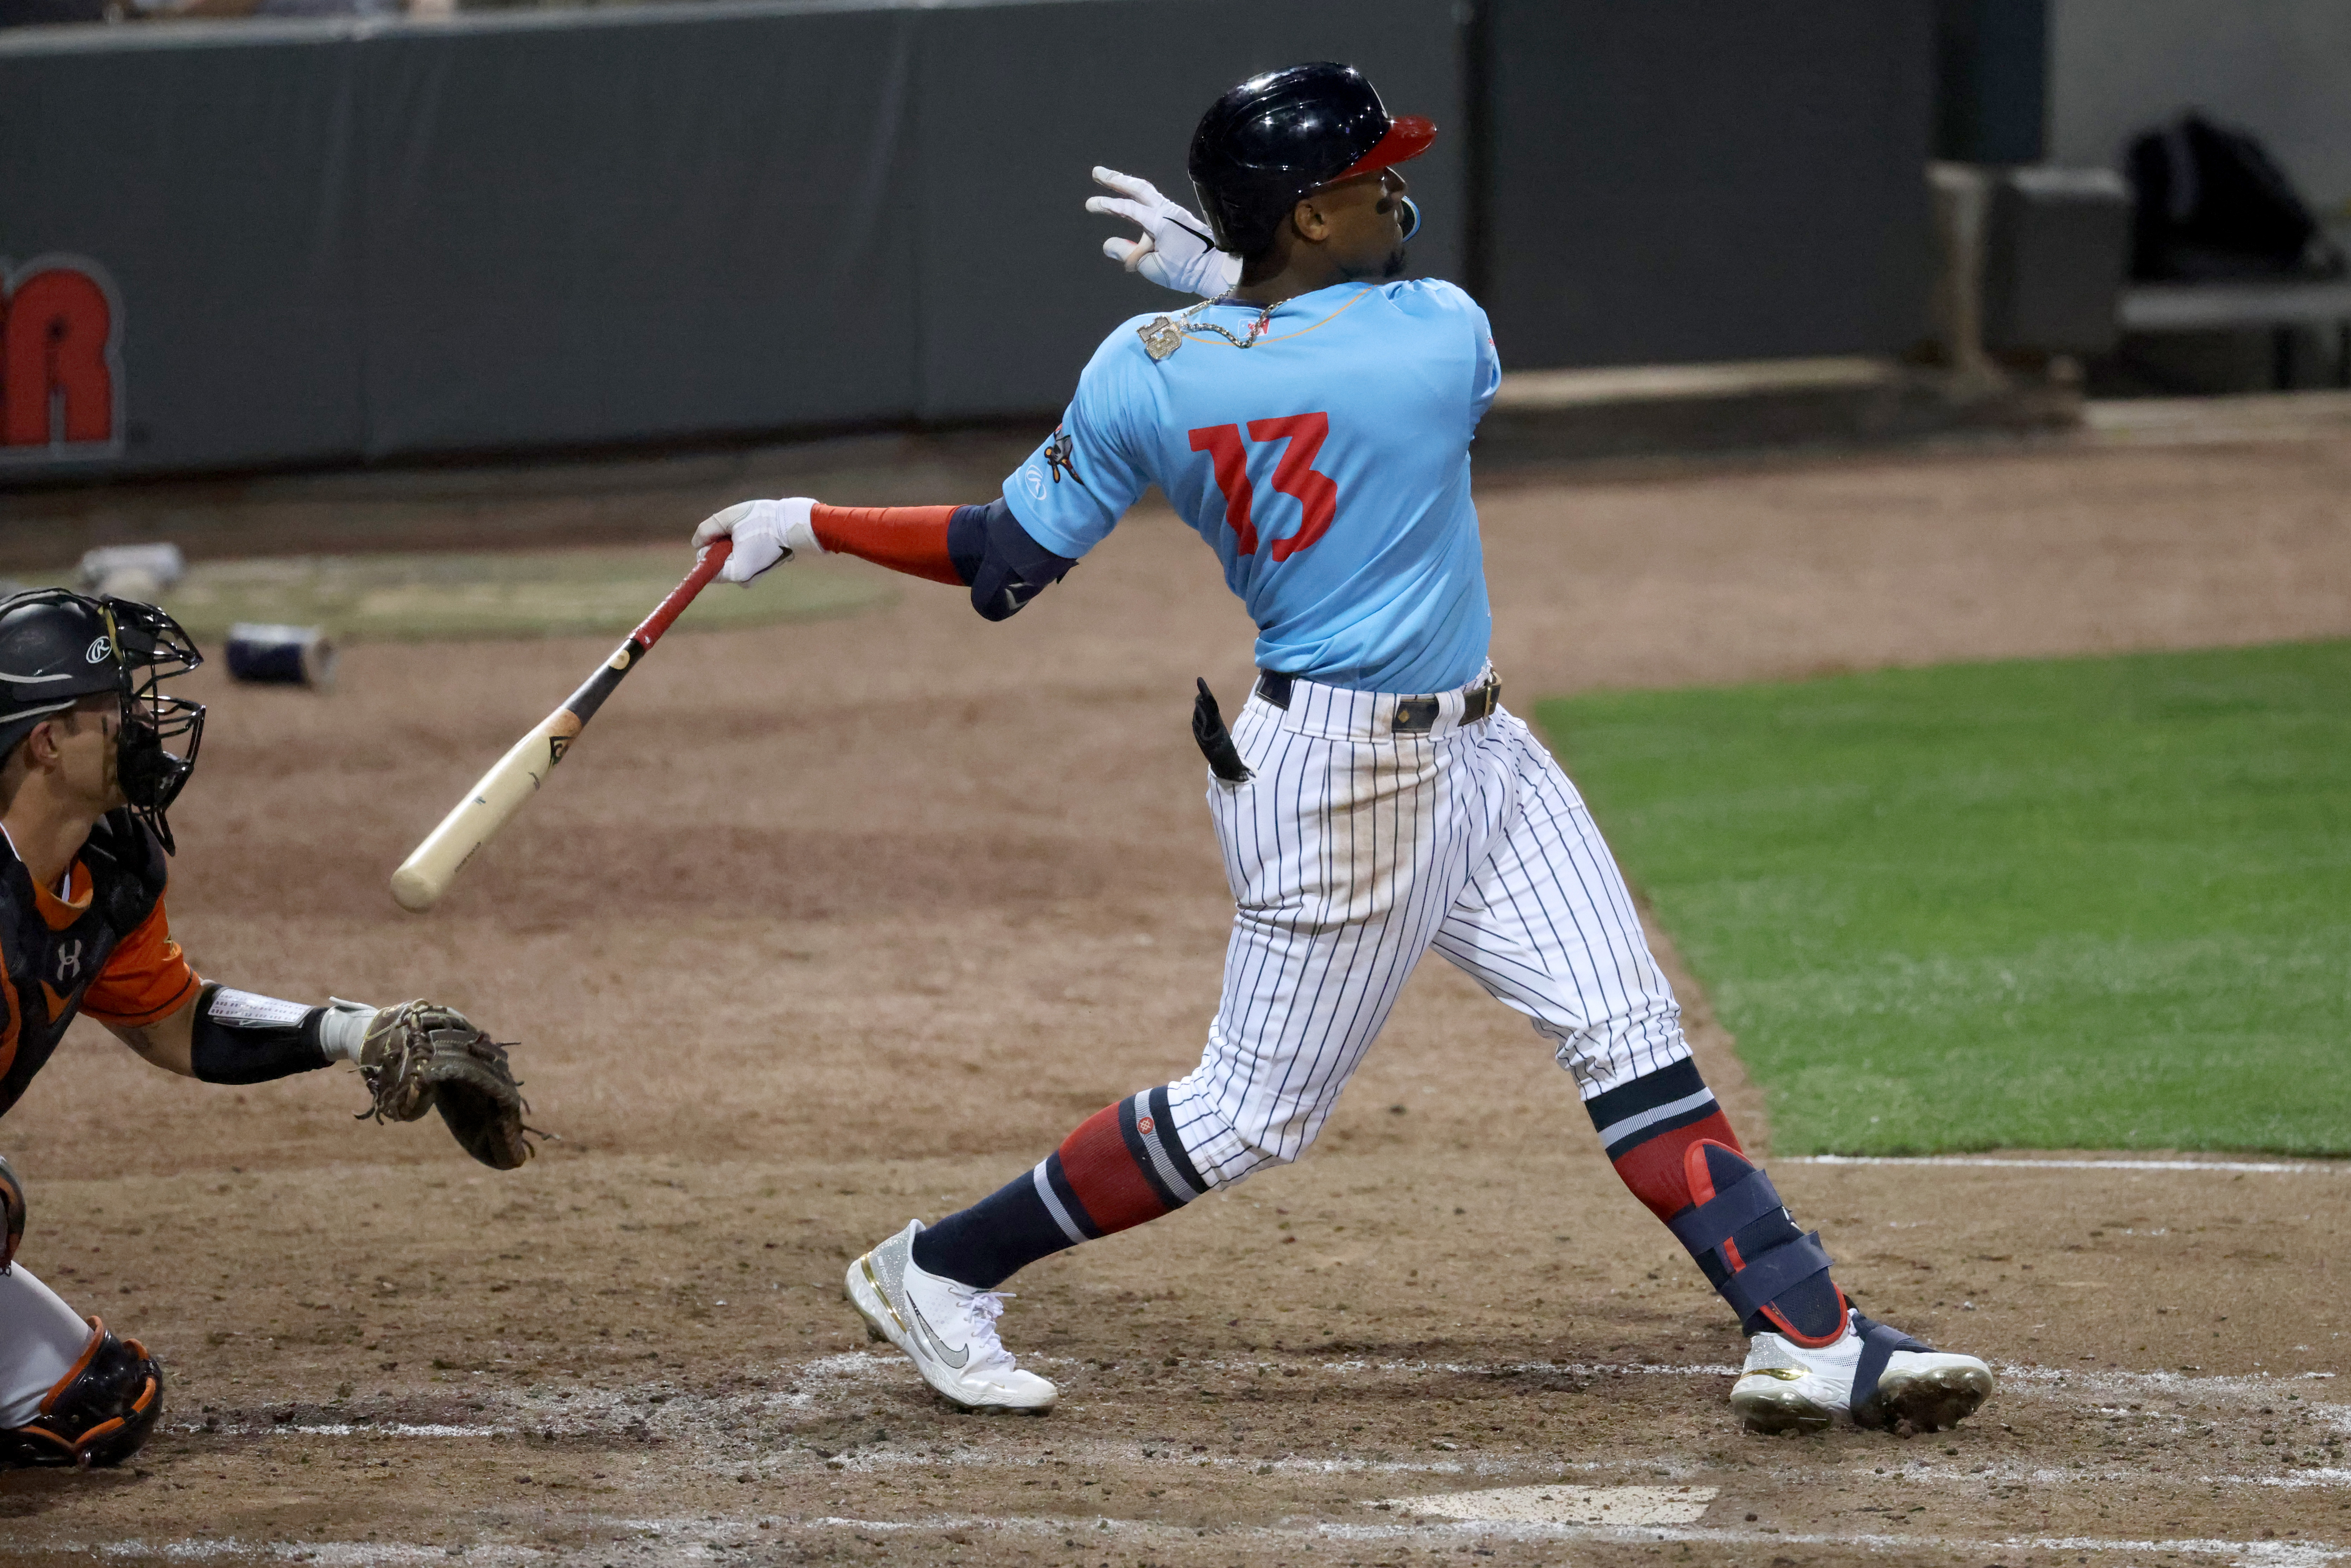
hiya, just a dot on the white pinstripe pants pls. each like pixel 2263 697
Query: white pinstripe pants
pixel 1355 849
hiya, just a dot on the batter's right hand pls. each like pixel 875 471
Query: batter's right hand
pixel 1175 251
pixel 765 533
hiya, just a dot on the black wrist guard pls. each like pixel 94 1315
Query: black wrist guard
pixel 240 1037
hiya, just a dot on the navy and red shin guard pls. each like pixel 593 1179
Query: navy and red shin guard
pixel 1122 1166
pixel 1672 1145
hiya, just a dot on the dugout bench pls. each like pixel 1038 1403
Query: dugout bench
pixel 2281 307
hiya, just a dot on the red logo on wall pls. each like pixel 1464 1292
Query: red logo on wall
pixel 61 362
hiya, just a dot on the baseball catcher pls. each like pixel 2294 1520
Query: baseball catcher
pixel 1375 802
pixel 92 754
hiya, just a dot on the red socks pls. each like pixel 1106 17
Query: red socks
pixel 1673 1147
pixel 1658 1170
pixel 1124 1166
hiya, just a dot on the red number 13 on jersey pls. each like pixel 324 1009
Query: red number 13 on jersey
pixel 1317 494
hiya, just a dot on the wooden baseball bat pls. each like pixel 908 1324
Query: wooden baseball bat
pixel 474 820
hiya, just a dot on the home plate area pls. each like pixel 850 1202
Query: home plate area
pixel 1565 1505
pixel 843 1458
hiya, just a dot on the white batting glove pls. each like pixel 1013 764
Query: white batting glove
pixel 765 533
pixel 1176 250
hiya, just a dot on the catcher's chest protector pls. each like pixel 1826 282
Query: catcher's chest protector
pixel 50 951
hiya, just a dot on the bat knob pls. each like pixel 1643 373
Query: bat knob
pixel 413 891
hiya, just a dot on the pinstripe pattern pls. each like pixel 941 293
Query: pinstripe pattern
pixel 1355 849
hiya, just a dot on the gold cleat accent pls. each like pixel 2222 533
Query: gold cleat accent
pixel 1765 1405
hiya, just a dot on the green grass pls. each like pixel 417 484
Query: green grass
pixel 2093 903
pixel 520 593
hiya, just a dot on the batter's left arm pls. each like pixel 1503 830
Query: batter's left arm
pixel 984 549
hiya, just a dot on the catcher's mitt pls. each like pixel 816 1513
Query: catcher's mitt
pixel 419 1056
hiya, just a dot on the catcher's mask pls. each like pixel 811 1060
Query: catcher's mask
pixel 57 647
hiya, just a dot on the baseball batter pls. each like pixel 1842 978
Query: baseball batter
pixel 91 754
pixel 1374 800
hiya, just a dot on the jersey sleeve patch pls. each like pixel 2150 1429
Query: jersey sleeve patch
pixel 145 978
pixel 1080 480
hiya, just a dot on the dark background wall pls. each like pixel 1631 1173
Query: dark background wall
pixel 1017 103
pixel 335 242
pixel 190 168
pixel 1708 179
pixel 1991 87
pixel 640 227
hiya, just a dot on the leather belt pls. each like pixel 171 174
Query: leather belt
pixel 1413 716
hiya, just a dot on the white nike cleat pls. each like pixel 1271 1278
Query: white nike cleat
pixel 947 1330
pixel 1872 1377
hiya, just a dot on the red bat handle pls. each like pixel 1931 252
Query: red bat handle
pixel 714 556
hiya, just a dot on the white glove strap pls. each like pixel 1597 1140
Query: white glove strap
pixel 787 522
pixel 344 1028
pixel 794 520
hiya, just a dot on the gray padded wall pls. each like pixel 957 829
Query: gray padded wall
pixel 566 228
pixel 636 225
pixel 1018 102
pixel 337 240
pixel 206 171
pixel 1687 180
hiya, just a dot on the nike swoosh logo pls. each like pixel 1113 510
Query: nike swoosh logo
pixel 931 1341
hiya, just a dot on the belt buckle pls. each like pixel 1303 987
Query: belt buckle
pixel 1413 716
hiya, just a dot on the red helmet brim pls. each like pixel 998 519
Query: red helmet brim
pixel 1408 137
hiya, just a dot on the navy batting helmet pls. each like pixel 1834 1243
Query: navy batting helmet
pixel 57 647
pixel 1278 136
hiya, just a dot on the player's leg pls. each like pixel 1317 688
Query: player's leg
pixel 70 1392
pixel 1548 926
pixel 40 1339
pixel 1337 894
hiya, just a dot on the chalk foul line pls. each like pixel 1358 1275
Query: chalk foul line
pixel 1965 1162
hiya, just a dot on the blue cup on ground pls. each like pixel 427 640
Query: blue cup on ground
pixel 281 655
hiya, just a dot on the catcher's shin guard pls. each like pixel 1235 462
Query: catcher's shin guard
pixel 1774 1276
pixel 100 1412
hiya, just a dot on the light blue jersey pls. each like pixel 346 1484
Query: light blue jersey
pixel 1328 465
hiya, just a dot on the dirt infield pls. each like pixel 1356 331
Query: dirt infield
pixel 828 923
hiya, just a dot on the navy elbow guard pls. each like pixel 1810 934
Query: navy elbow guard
pixel 1005 566
pixel 240 1037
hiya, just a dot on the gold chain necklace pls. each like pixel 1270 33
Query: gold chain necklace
pixel 1164 335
